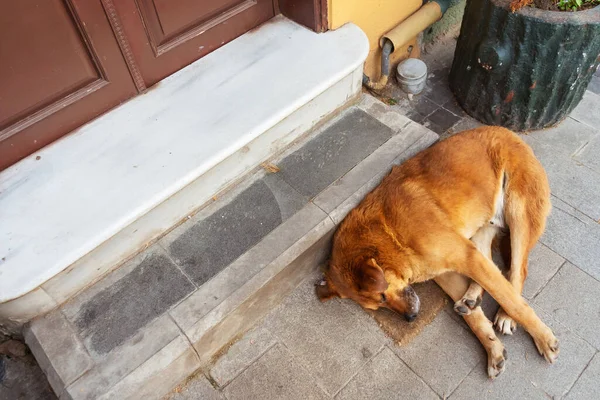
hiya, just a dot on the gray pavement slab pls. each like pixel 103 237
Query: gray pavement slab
pixel 589 153
pixel 324 338
pixel 567 138
pixel 478 386
pixel 198 388
pixel 443 354
pixel 570 180
pixel 587 386
pixel 241 355
pixel 575 238
pixel 276 375
pixel 587 110
pixel 572 298
pixel 543 265
pixel 386 377
pixel 527 374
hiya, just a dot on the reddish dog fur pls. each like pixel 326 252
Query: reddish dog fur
pixel 435 217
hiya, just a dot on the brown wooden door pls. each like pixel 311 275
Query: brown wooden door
pixel 60 66
pixel 166 35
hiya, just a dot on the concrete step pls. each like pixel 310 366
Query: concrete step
pixel 176 306
pixel 75 210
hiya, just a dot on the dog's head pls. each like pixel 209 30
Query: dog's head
pixel 363 280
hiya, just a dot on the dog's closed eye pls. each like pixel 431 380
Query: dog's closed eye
pixel 383 298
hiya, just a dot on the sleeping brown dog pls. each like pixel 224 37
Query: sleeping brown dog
pixel 435 217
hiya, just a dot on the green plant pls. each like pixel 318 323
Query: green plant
pixel 575 4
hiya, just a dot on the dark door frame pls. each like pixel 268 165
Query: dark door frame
pixel 310 13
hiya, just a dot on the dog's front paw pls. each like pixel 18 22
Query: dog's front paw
pixel 465 305
pixel 496 363
pixel 504 324
pixel 547 346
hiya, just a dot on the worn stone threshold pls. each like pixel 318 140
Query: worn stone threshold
pixel 172 309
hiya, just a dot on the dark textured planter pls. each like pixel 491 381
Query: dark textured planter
pixel 525 70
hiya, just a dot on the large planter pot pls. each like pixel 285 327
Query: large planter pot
pixel 525 70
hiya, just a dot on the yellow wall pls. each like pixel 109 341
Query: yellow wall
pixel 375 18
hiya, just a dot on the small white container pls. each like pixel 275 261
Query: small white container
pixel 411 75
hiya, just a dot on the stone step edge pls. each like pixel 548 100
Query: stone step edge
pixel 201 341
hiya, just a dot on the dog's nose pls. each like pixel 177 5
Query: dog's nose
pixel 410 317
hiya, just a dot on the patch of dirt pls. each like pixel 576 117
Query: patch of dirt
pixel 433 300
pixel 549 5
pixel 21 378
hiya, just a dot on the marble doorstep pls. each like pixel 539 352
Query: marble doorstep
pixel 78 208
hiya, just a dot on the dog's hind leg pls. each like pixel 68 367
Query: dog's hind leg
pixel 455 286
pixel 471 299
pixel 526 217
pixel 470 262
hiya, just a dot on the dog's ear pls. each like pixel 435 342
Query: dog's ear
pixel 369 277
pixel 325 291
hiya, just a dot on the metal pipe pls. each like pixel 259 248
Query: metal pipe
pixel 388 47
pixel 425 16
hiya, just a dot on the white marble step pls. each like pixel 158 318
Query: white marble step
pixel 72 211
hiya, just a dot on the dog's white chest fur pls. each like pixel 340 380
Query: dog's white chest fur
pixel 498 218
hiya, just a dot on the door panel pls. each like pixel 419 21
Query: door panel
pixel 61 66
pixel 166 35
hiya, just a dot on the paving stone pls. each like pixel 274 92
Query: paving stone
pixel 477 386
pixel 587 385
pixel 241 355
pixel 438 73
pixel 276 375
pixel 543 265
pixel 594 85
pixel 574 238
pixel 115 314
pixel 333 152
pixel 588 154
pixel 443 119
pixel 211 244
pixel 384 113
pixel 453 106
pixel 386 377
pixel 198 388
pixel 568 138
pixel 527 371
pixel 572 298
pixel 465 124
pixel 587 110
pixel 419 108
pixel 443 354
pixel 324 338
pixel 58 349
pixel 439 92
pixel 570 180
pixel 569 209
pixel 434 127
